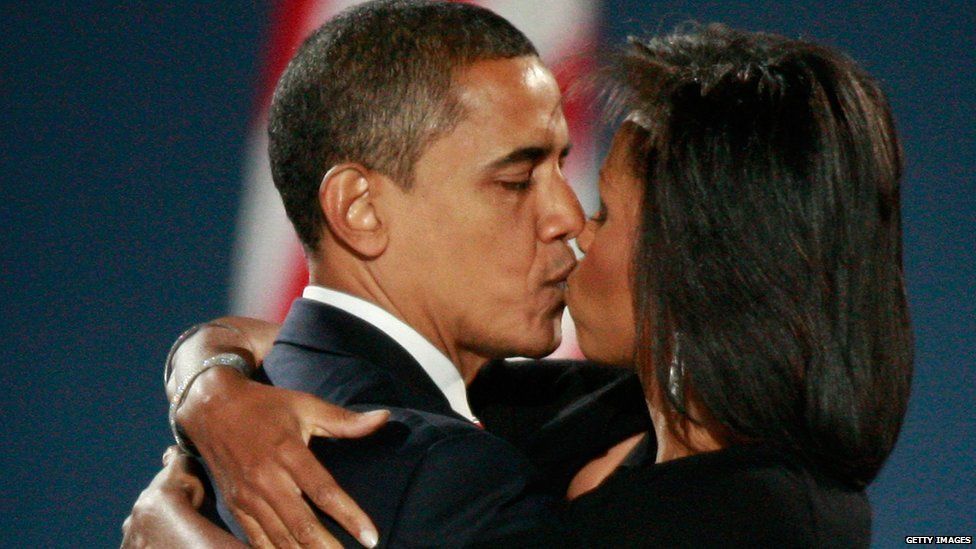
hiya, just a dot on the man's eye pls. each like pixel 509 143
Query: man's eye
pixel 517 186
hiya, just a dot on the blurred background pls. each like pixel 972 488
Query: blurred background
pixel 131 207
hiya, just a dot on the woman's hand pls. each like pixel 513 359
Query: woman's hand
pixel 255 439
pixel 165 515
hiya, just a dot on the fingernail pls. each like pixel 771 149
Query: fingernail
pixel 369 538
pixel 375 413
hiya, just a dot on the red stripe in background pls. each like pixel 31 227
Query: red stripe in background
pixel 577 99
pixel 297 279
pixel 288 20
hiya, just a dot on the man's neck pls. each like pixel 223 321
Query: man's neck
pixel 364 287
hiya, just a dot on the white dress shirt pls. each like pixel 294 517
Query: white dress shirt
pixel 440 369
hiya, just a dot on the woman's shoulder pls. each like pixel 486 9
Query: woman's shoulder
pixel 748 494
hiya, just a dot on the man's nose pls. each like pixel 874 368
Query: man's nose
pixel 561 216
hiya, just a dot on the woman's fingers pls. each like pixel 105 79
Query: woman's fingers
pixel 170 453
pixel 193 487
pixel 321 419
pixel 262 526
pixel 177 473
pixel 271 509
pixel 300 521
pixel 316 482
pixel 262 481
pixel 255 534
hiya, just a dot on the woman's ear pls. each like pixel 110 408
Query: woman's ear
pixel 346 198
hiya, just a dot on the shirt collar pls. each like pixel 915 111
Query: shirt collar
pixel 440 369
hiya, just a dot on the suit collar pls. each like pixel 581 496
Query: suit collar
pixel 322 327
pixel 440 368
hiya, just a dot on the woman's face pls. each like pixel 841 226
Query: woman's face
pixel 599 293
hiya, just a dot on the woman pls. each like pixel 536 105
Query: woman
pixel 746 262
pixel 751 205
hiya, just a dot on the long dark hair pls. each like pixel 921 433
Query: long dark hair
pixel 768 264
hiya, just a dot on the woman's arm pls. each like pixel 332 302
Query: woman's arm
pixel 263 481
pixel 249 338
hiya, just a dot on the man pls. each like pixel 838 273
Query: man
pixel 417 147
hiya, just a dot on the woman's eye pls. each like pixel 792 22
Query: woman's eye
pixel 601 215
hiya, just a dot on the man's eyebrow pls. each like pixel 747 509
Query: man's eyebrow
pixel 530 155
pixel 519 156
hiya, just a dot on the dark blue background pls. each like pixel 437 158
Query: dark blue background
pixel 122 144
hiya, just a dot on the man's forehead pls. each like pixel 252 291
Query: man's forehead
pixel 506 82
pixel 518 96
pixel 511 113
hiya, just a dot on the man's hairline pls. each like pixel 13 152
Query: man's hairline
pixel 447 124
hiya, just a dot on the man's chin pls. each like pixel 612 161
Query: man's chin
pixel 536 339
pixel 544 347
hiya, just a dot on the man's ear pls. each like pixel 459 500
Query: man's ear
pixel 346 198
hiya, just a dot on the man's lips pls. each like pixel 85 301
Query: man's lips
pixel 558 281
pixel 561 273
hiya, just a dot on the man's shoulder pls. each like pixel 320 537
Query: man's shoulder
pixel 342 379
pixel 417 438
pixel 421 472
pixel 427 479
pixel 410 431
pixel 425 475
pixel 466 486
pixel 449 448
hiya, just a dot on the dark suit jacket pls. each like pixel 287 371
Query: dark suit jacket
pixel 430 477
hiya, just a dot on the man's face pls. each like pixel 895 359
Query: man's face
pixel 479 241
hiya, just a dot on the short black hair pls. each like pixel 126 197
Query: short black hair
pixel 373 85
pixel 770 244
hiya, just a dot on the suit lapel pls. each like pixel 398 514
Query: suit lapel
pixel 318 326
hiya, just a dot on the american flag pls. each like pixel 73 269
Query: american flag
pixel 269 268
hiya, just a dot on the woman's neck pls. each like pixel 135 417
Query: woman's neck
pixel 679 437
